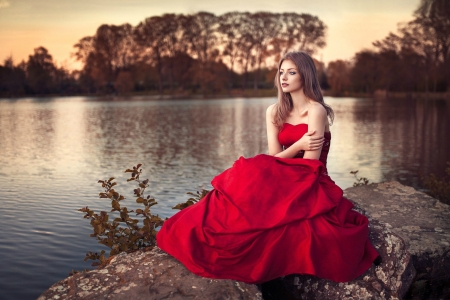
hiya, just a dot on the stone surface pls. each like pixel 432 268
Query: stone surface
pixel 407 228
pixel 147 275
pixel 390 279
pixel 422 222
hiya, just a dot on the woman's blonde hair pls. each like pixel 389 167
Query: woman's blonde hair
pixel 310 83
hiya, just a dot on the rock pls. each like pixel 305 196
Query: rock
pixel 409 229
pixel 147 275
pixel 422 222
pixel 390 279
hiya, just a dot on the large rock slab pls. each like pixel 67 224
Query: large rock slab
pixel 422 222
pixel 147 275
pixel 389 279
pixel 401 220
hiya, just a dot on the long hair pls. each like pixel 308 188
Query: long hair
pixel 310 83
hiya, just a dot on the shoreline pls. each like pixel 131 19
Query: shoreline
pixel 239 93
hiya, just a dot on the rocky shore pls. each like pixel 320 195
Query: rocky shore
pixel 410 230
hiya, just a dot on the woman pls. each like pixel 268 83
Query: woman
pixel 277 214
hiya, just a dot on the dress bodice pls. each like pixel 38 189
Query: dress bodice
pixel 299 209
pixel 289 134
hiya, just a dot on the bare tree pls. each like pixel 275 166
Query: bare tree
pixel 266 28
pixel 434 18
pixel 422 44
pixel 201 33
pixel 230 28
pixel 149 36
pixel 303 32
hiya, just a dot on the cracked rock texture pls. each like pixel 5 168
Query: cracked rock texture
pixel 390 279
pixel 422 222
pixel 410 230
pixel 147 275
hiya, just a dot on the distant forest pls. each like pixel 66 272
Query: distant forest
pixel 203 53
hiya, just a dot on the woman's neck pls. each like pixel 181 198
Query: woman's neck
pixel 299 100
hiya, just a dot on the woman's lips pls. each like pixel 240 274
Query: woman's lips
pixel 284 84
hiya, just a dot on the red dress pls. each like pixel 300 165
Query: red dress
pixel 269 217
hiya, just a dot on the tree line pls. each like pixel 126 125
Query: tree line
pixel 415 59
pixel 199 52
pixel 207 53
pixel 37 76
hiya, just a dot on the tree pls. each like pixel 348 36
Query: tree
pixel 106 54
pixel 232 32
pixel 40 71
pixel 434 17
pixel 365 74
pixel 245 46
pixel 148 36
pixel 338 75
pixel 200 31
pixel 173 45
pixel 266 28
pixel 191 50
pixel 124 82
pixel 183 66
pixel 161 37
pixel 12 78
pixel 303 32
pixel 419 53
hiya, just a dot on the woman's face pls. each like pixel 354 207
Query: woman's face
pixel 290 79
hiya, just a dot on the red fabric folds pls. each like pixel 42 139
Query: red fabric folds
pixel 269 217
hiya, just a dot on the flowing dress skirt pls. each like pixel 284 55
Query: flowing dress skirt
pixel 269 217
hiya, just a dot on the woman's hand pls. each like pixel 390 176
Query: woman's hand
pixel 309 142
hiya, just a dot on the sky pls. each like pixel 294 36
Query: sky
pixel 59 24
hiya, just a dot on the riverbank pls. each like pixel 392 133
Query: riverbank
pixel 411 239
pixel 239 93
pixel 383 94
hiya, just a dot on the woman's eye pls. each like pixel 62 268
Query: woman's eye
pixel 292 73
pixel 281 72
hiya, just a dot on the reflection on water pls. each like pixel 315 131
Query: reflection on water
pixel 54 150
pixel 410 137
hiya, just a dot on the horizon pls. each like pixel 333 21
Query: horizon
pixel 352 25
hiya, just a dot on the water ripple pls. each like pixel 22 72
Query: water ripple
pixel 54 151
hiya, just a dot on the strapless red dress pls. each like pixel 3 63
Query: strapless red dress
pixel 269 217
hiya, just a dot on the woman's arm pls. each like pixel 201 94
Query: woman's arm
pixel 317 119
pixel 307 142
pixel 272 132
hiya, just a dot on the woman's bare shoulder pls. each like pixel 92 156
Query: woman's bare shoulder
pixel 271 107
pixel 271 110
pixel 317 110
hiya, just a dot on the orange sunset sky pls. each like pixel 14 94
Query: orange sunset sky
pixel 58 24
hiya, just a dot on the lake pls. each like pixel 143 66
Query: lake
pixel 53 151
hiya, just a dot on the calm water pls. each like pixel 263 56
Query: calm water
pixel 53 151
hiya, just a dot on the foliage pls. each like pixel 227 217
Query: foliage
pixel 39 75
pixel 198 51
pixel 438 188
pixel 41 71
pixel 338 74
pixel 359 181
pixel 123 233
pixel 416 58
pixel 192 200
pixel 203 51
